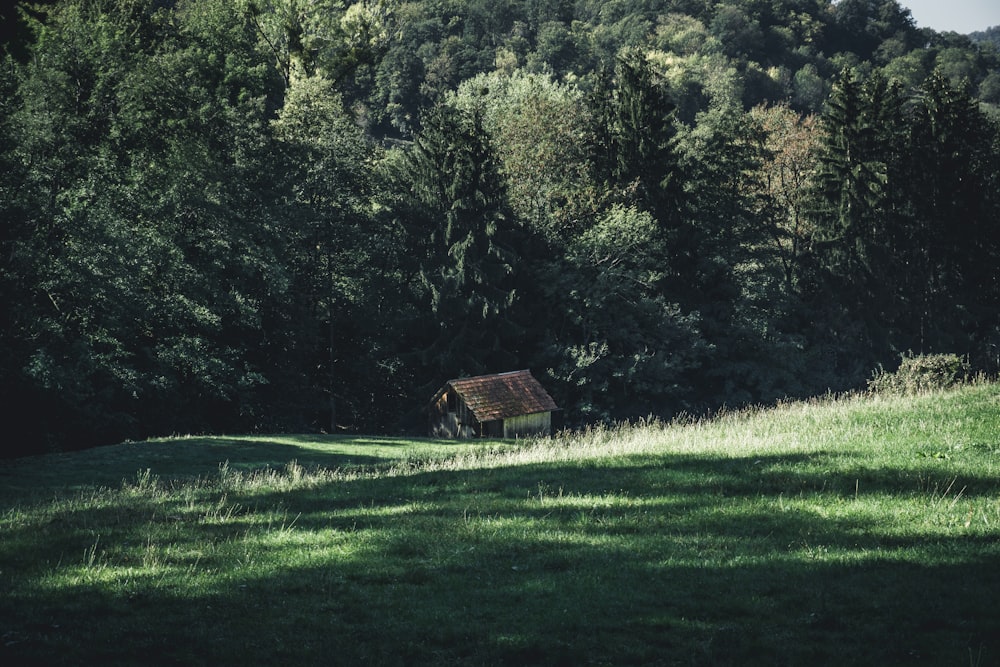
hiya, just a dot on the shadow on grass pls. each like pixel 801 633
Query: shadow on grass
pixel 667 560
pixel 574 604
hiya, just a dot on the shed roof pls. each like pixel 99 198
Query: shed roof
pixel 501 396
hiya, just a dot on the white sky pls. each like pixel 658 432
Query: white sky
pixel 961 16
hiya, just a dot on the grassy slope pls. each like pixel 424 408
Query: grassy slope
pixel 857 532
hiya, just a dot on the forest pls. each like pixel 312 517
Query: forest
pixel 223 216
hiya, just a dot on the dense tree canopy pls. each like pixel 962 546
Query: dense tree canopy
pixel 278 214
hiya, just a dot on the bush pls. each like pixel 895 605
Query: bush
pixel 919 373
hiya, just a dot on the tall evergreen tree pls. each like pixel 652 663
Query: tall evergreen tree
pixel 635 132
pixel 468 242
pixel 906 204
pixel 854 204
pixel 953 187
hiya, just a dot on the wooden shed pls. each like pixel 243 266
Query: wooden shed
pixel 506 405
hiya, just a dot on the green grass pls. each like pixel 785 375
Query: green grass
pixel 859 531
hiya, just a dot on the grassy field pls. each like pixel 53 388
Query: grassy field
pixel 859 531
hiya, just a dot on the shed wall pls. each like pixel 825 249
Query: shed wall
pixel 539 423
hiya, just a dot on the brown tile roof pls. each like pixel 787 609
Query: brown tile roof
pixel 505 395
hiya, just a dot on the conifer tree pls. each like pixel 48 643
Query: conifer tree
pixel 953 188
pixel 853 205
pixel 468 245
pixel 634 137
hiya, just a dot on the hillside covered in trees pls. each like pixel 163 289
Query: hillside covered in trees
pixel 240 215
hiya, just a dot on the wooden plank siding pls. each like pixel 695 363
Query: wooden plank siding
pixel 539 423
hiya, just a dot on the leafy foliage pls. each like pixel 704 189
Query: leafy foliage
pixel 921 373
pixel 273 214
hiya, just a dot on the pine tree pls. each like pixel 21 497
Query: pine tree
pixel 468 242
pixel 854 204
pixel 634 134
pixel 905 207
pixel 953 189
